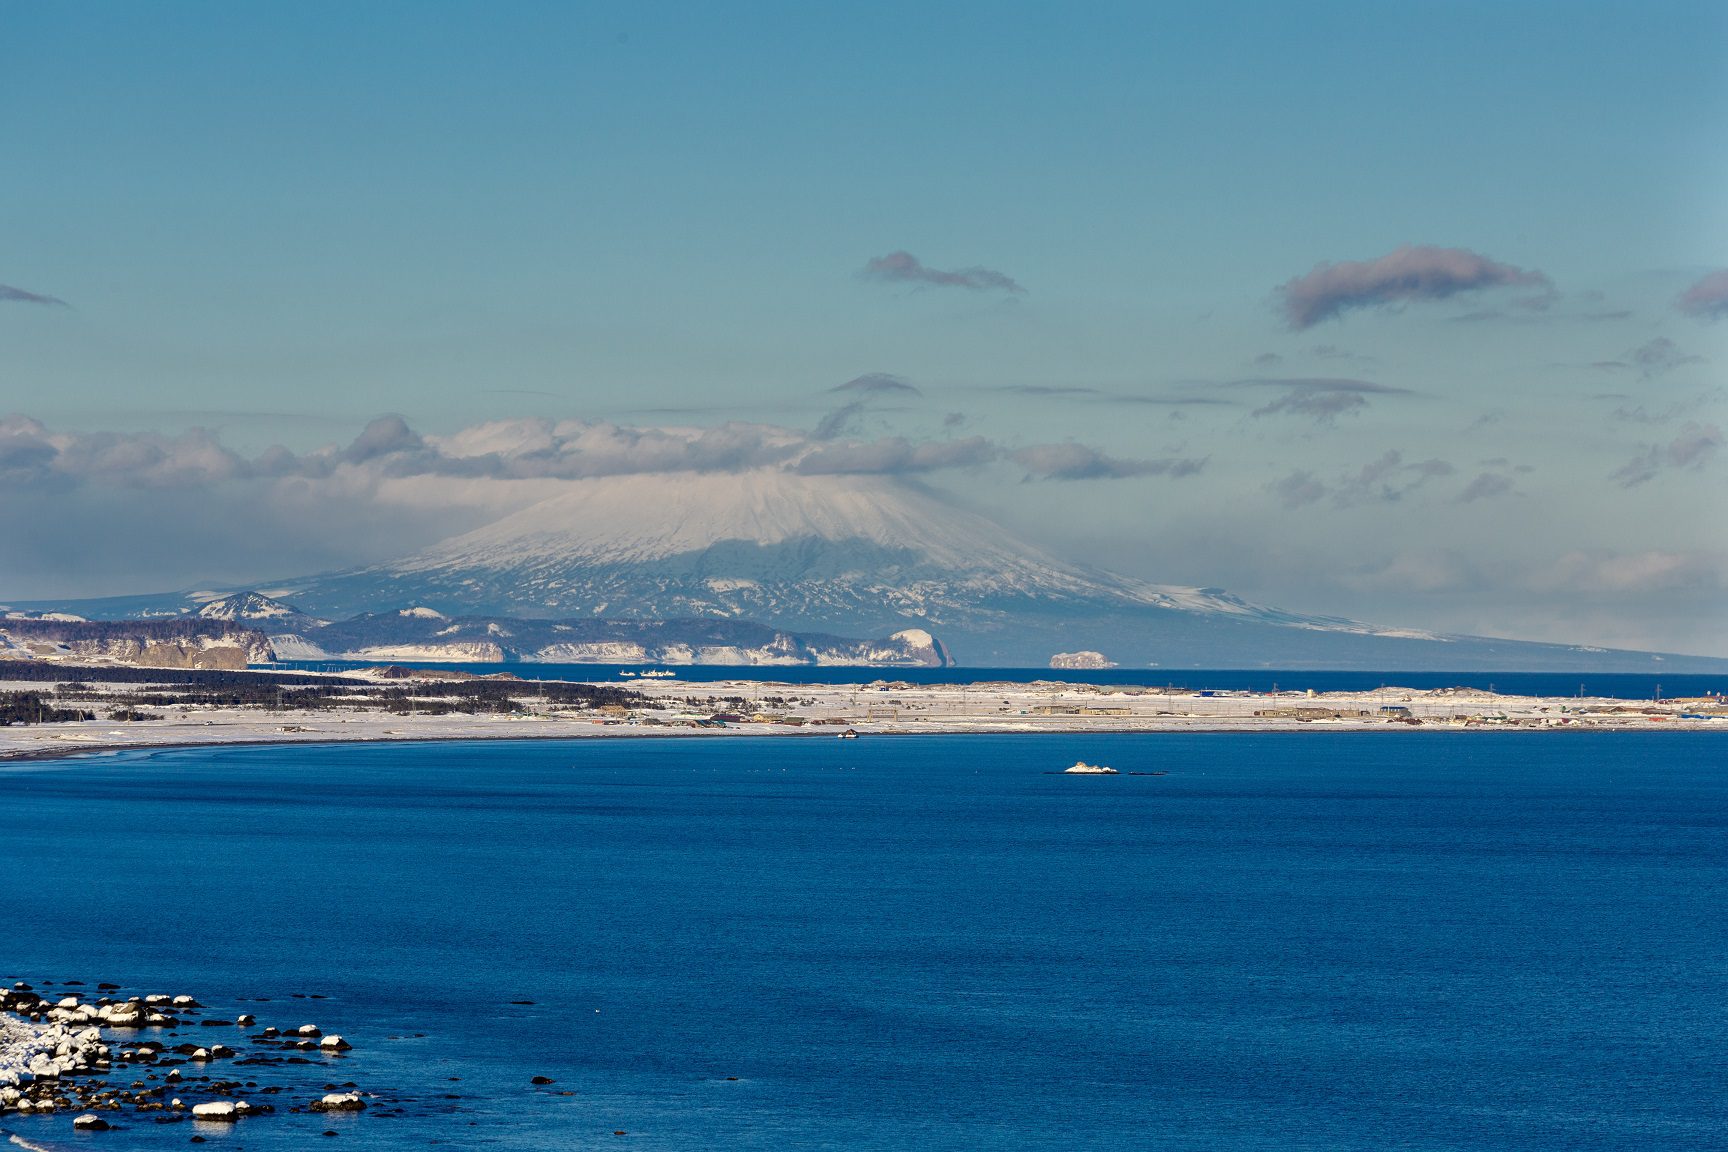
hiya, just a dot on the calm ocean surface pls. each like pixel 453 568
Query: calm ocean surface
pixel 1412 940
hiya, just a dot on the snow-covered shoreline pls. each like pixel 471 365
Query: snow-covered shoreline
pixel 766 708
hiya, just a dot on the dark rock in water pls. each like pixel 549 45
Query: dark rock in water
pixel 90 1122
pixel 542 1080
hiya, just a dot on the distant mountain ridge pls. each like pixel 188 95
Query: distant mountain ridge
pixel 253 628
pixel 633 560
pixel 188 642
pixel 872 555
pixel 419 634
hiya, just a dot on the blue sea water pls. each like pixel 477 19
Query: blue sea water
pixel 1618 685
pixel 1426 941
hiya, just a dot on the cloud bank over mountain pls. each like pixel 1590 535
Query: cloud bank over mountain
pixel 528 450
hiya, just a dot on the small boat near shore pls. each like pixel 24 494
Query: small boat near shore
pixel 1081 768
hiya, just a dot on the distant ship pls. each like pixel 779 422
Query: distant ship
pixel 1081 768
pixel 660 675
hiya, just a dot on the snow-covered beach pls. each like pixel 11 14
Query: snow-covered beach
pixel 886 707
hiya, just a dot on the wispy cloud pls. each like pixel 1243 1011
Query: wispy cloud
pixel 1693 448
pixel 1386 479
pixel 838 422
pixel 1321 407
pixel 1334 352
pixel 1389 479
pixel 1044 389
pixel 1654 357
pixel 20 296
pixel 1299 488
pixel 389 450
pixel 1628 413
pixel 1707 298
pixel 904 268
pixel 1165 400
pixel 877 384
pixel 1321 399
pixel 1540 310
pixel 1408 274
pixel 1070 461
pixel 895 455
pixel 1486 486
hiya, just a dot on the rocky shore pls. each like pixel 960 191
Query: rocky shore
pixel 108 1061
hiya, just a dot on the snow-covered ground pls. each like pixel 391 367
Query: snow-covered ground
pixel 884 707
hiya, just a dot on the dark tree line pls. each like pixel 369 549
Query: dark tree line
pixel 41 671
pixel 34 708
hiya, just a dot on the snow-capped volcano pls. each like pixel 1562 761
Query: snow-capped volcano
pixel 815 527
pixel 853 554
pixel 771 566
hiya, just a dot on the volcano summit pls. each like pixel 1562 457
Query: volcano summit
pixel 866 555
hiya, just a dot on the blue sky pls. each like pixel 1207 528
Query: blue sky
pixel 278 223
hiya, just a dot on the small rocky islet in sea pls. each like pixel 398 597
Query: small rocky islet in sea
pixel 109 1061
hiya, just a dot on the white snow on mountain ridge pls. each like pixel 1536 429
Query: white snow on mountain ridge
pixel 602 540
pixel 246 606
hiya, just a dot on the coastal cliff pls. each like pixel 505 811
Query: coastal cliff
pixel 182 643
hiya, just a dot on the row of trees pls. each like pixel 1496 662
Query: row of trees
pixel 34 708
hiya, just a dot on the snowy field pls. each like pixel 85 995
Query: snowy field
pixel 757 708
